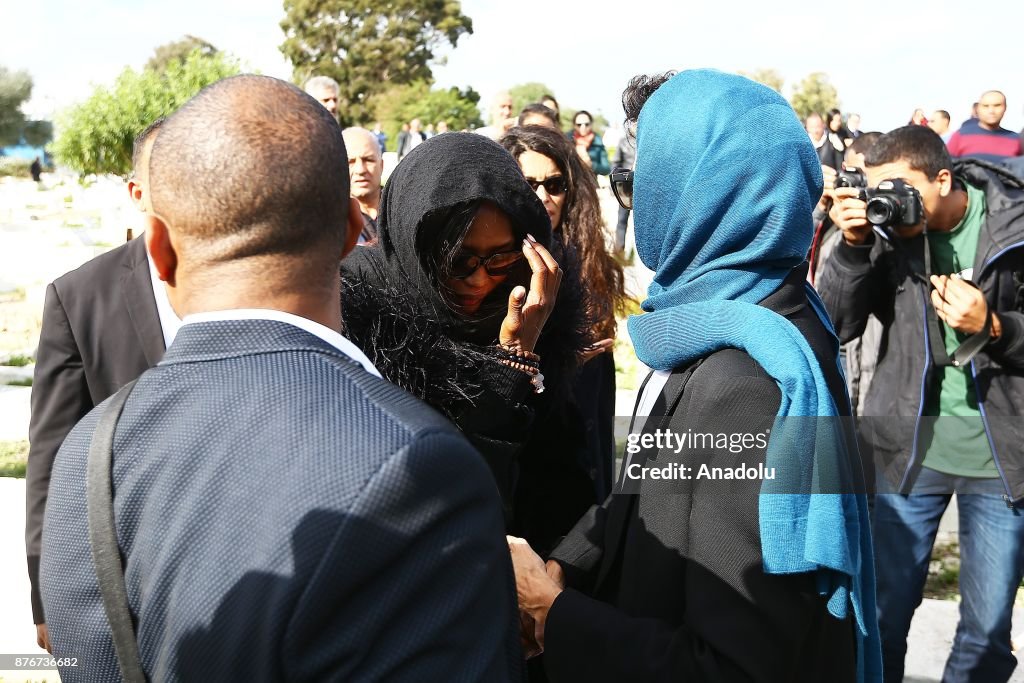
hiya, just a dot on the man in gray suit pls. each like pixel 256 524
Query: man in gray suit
pixel 281 513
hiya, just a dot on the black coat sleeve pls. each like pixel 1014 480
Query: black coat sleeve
pixel 738 623
pixel 852 287
pixel 1009 348
pixel 60 397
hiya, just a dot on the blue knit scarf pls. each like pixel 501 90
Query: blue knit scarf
pixel 724 186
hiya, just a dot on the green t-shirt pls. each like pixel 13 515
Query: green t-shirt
pixel 955 441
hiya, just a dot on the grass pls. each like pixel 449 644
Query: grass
pixel 943 582
pixel 18 360
pixel 27 382
pixel 13 458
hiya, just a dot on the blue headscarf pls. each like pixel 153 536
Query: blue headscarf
pixel 725 183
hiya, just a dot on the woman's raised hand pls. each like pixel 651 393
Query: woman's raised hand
pixel 528 311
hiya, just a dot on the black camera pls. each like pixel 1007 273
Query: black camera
pixel 851 177
pixel 893 203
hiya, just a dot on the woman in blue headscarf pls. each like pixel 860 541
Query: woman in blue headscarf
pixel 763 578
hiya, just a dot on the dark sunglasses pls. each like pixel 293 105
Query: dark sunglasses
pixel 582 124
pixel 554 186
pixel 465 264
pixel 622 186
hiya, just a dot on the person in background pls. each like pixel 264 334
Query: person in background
pixel 551 103
pixel 625 154
pixel 502 118
pixel 939 122
pixel 104 324
pixel 442 127
pixel 36 169
pixel 538 115
pixel 413 138
pixel 984 138
pixel 918 118
pixel 588 143
pixel 365 167
pixel 428 132
pixel 828 145
pixel 382 137
pixel 853 126
pixel 569 193
pixel 324 90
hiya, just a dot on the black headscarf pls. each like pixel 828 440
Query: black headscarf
pixel 392 302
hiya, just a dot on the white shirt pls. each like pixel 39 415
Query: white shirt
pixel 651 392
pixel 314 328
pixel 169 320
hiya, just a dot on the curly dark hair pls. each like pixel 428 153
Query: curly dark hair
pixel 637 92
pixel 581 227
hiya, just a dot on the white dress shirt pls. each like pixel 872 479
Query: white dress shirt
pixel 169 320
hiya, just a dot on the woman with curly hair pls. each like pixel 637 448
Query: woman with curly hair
pixel 569 194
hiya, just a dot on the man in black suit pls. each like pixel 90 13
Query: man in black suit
pixel 280 512
pixel 685 574
pixel 101 329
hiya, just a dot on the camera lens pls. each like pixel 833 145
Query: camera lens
pixel 882 210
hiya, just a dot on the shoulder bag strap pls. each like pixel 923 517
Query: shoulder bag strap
pixel 103 539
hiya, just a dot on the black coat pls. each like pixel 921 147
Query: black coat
pixel 886 279
pixel 670 587
pixel 100 331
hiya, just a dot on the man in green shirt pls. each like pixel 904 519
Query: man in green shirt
pixel 943 412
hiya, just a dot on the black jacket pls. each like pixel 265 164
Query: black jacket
pixel 100 331
pixel 884 278
pixel 669 586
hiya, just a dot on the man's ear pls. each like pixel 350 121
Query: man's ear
pixel 355 226
pixel 158 244
pixel 136 193
pixel 945 181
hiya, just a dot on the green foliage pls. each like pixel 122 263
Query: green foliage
pixel 18 360
pixel 96 135
pixel 400 104
pixel 770 77
pixel 368 46
pixel 179 51
pixel 27 382
pixel 13 458
pixel 15 168
pixel 15 89
pixel 814 94
pixel 37 133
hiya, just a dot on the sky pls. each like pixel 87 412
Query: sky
pixel 885 58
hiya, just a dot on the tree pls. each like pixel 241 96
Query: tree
pixel 96 136
pixel 15 89
pixel 37 133
pixel 368 46
pixel 814 95
pixel 402 103
pixel 178 51
pixel 770 77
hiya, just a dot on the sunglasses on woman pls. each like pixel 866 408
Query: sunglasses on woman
pixel 466 263
pixel 622 186
pixel 554 186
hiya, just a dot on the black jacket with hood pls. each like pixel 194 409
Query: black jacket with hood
pixel 886 278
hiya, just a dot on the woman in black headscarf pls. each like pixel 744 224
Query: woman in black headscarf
pixel 455 304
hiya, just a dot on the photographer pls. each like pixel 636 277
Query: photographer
pixel 937 254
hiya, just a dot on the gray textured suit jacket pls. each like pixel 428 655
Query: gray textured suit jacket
pixel 283 515
pixel 100 331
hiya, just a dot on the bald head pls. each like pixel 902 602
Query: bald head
pixel 251 166
pixel 991 109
